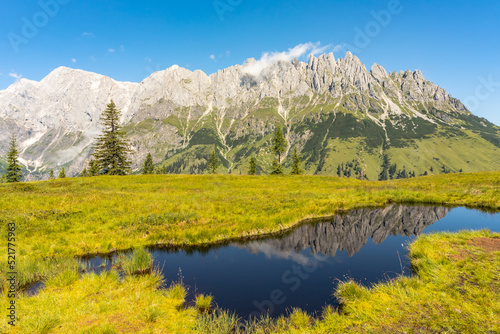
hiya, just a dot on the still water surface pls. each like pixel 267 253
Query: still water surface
pixel 302 267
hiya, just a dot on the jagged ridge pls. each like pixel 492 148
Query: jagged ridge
pixel 325 105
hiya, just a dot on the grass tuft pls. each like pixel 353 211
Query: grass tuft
pixel 138 263
pixel 152 313
pixel 203 302
pixel 63 279
pixel 218 322
pixel 100 329
pixel 176 291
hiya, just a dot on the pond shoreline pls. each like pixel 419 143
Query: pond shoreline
pixel 281 232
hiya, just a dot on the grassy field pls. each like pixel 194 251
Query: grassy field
pixel 96 215
pixel 60 219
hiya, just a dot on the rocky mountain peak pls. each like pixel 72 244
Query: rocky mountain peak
pixel 19 86
pixel 379 73
pixel 64 73
pixel 57 118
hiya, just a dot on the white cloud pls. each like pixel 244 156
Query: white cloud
pixel 212 57
pixel 122 48
pixel 148 59
pixel 73 60
pixel 92 59
pixel 16 76
pixel 111 50
pixel 228 53
pixel 87 34
pixel 256 68
pixel 337 48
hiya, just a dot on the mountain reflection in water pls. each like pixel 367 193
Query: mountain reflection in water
pixel 350 232
pixel 306 263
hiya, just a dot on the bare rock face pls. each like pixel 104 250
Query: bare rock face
pixel 351 231
pixel 379 73
pixel 56 120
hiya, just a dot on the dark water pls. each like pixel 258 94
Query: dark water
pixel 303 267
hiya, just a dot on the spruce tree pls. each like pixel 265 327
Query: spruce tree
pixel 276 168
pixel 386 164
pixel 62 173
pixel 3 179
pixel 14 173
pixel 296 168
pixel 93 168
pixel 148 167
pixel 253 167
pixel 279 147
pixel 279 143
pixel 213 163
pixel 51 175
pixel 112 149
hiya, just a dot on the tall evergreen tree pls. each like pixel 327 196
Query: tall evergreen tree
pixel 14 173
pixel 276 168
pixel 279 147
pixel 253 167
pixel 296 168
pixel 62 173
pixel 148 167
pixel 392 170
pixel 112 149
pixel 386 164
pixel 384 175
pixel 279 143
pixel 51 175
pixel 213 163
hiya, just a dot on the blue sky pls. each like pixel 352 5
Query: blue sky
pixel 455 44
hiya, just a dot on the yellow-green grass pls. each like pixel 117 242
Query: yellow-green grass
pixel 203 302
pixel 103 304
pixel 456 289
pixel 77 216
pixel 139 262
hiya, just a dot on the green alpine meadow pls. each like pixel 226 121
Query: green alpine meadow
pixel 67 218
pixel 249 167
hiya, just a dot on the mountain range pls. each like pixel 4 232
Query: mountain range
pixel 339 116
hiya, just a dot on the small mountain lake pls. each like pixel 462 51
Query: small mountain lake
pixel 302 267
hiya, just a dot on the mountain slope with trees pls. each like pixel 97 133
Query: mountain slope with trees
pixel 332 112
